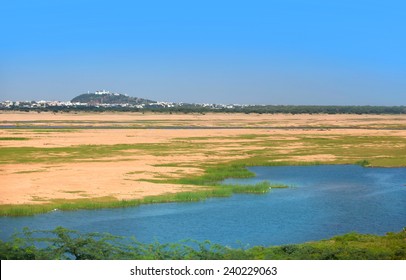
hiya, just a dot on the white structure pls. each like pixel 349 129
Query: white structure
pixel 100 92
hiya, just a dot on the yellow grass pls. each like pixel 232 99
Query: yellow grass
pixel 127 163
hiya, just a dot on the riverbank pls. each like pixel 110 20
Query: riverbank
pixel 67 169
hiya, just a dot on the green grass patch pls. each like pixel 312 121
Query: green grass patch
pixel 362 150
pixel 251 136
pixel 73 192
pixel 215 173
pixel 217 190
pixel 259 188
pixel 134 172
pixel 53 130
pixel 14 138
pixel 377 150
pixel 73 153
pixel 57 204
pixel 91 152
pixel 30 171
pixel 363 163
pixel 350 246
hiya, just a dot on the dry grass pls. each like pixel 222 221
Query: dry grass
pixel 136 163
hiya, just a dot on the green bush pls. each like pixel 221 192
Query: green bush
pixel 62 244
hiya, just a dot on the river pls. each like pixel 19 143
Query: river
pixel 322 201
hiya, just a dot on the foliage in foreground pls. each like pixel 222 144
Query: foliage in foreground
pixel 62 243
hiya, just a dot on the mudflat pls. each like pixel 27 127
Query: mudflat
pixel 46 157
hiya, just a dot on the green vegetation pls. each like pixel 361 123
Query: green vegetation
pixel 218 190
pixel 53 130
pixel 62 243
pixel 215 173
pixel 95 99
pixel 196 108
pixel 363 163
pixel 254 150
pixel 30 171
pixel 85 152
pixel 376 150
pixel 237 153
pixel 13 138
pixel 259 188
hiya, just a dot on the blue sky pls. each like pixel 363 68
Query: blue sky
pixel 255 52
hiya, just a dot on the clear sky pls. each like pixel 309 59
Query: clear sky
pixel 346 52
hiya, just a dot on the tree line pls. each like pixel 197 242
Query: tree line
pixel 251 109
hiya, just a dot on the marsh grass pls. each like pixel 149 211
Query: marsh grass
pixel 259 188
pixel 52 130
pixel 216 190
pixel 134 172
pixel 363 163
pixel 361 150
pixel 30 171
pixel 14 138
pixel 377 150
pixel 90 152
pixel 214 174
pixel 251 136
pixel 210 180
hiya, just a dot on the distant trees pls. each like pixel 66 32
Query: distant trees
pixel 252 109
pixel 112 98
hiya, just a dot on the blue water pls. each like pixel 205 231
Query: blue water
pixel 322 201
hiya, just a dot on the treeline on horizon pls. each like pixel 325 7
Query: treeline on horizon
pixel 252 109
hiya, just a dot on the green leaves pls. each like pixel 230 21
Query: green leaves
pixel 62 243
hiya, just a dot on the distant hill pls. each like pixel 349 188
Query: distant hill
pixel 105 97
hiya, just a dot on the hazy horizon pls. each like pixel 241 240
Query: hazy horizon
pixel 230 103
pixel 258 52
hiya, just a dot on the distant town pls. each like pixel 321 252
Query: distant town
pixel 103 100
pixel 107 99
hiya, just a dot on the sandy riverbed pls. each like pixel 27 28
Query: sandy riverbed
pixel 122 176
